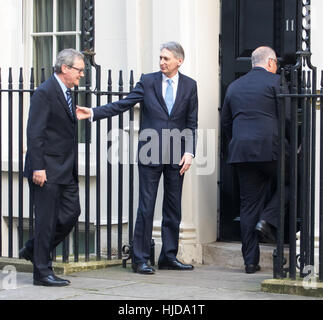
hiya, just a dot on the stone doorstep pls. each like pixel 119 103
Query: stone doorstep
pixel 293 287
pixel 228 254
pixel 59 267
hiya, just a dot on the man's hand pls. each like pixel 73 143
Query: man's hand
pixel 83 113
pixel 186 162
pixel 39 177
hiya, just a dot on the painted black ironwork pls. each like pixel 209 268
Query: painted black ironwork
pixel 131 163
pixel 87 46
pixel 302 98
pixel 20 159
pixel 302 164
pixel 76 237
pixel 87 169
pixel 321 193
pixel 15 104
pixel 279 256
pixel 88 26
pixel 305 6
pixel 98 167
pixel 109 174
pixel 0 166
pixel 31 201
pixel 10 165
pixel 120 175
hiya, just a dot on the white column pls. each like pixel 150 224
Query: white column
pixel 316 49
pixel 12 44
pixel 129 36
pixel 195 24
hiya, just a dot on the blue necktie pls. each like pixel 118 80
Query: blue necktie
pixel 69 100
pixel 169 96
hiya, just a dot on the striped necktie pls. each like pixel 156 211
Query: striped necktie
pixel 69 100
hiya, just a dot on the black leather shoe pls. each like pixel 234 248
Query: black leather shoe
pixel 265 232
pixel 26 254
pixel 252 268
pixel 51 281
pixel 142 268
pixel 174 265
pixel 60 279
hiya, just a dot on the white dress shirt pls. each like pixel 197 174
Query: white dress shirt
pixel 62 85
pixel 174 84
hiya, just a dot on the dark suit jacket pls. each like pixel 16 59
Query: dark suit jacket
pixel 154 118
pixel 250 117
pixel 51 135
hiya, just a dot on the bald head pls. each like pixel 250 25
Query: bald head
pixel 264 57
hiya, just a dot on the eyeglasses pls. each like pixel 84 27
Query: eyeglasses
pixel 78 69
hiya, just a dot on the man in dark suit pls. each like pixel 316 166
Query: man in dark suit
pixel 51 165
pixel 166 146
pixel 250 121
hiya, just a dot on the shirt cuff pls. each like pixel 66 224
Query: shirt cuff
pixel 92 115
pixel 190 154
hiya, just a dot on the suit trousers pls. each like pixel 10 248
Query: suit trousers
pixel 259 200
pixel 149 177
pixel 57 208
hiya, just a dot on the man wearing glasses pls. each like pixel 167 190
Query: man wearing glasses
pixel 51 165
pixel 250 121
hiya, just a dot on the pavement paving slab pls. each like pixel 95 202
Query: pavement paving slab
pixel 206 282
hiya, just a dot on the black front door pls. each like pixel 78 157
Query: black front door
pixel 246 25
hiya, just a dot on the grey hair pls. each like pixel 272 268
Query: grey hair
pixel 261 55
pixel 174 47
pixel 67 57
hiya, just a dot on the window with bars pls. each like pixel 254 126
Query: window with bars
pixel 56 26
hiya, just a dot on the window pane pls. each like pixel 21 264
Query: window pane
pixel 82 124
pixel 64 42
pixel 66 15
pixel 81 129
pixel 43 15
pixel 43 48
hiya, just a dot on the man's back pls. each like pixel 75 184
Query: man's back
pixel 249 117
pixel 250 120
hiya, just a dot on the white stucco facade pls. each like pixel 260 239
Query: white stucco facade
pixel 128 35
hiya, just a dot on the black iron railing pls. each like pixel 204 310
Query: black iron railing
pixel 304 172
pixel 298 173
pixel 12 103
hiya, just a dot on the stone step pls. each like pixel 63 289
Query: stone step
pixel 228 254
pixel 21 265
